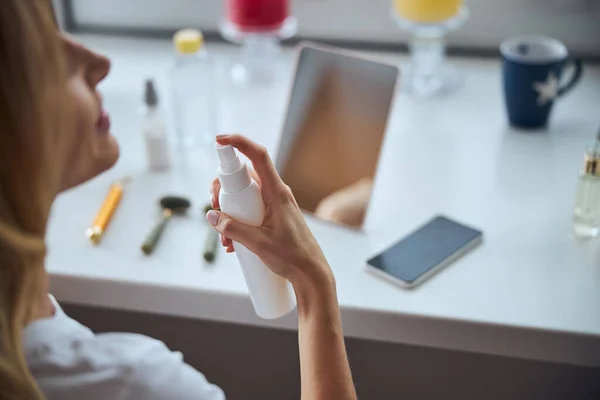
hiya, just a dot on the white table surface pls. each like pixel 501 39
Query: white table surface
pixel 531 290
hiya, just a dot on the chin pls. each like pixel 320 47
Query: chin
pixel 90 168
pixel 106 161
pixel 111 155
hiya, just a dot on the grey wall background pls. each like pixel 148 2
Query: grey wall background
pixel 256 363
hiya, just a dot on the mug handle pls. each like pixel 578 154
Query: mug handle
pixel 577 72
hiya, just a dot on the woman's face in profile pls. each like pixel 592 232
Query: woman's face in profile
pixel 92 149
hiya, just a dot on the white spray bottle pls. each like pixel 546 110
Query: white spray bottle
pixel 241 199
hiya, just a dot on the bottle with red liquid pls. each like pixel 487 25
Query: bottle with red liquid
pixel 257 15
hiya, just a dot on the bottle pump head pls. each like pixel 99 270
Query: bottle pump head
pixel 228 158
pixel 233 173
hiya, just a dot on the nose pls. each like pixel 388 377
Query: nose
pixel 98 68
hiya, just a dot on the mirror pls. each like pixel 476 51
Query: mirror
pixel 333 132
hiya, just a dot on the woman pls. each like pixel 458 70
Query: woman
pixel 55 135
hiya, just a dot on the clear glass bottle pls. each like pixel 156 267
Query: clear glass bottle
pixel 587 199
pixel 192 81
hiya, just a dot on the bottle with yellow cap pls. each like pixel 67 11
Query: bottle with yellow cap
pixel 192 80
pixel 587 198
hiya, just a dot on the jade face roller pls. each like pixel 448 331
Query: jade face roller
pixel 170 205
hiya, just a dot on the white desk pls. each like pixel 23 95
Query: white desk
pixel 530 291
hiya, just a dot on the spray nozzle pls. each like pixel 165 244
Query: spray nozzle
pixel 226 153
pixel 233 173
pixel 228 158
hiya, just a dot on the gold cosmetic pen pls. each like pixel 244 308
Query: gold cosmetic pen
pixel 110 204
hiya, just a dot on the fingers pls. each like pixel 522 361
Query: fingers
pixel 215 187
pixel 226 242
pixel 234 231
pixel 253 175
pixel 258 155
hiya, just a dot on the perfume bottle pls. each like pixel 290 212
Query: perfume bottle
pixel 587 199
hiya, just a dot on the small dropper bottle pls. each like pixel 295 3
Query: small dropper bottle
pixel 154 131
pixel 587 199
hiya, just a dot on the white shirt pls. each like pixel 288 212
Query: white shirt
pixel 70 362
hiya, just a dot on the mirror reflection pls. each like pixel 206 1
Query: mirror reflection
pixel 333 132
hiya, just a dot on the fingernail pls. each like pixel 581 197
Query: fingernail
pixel 212 217
pixel 221 136
pixel 212 200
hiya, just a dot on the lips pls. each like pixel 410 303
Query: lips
pixel 103 123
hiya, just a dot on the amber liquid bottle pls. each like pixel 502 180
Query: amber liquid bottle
pixel 587 198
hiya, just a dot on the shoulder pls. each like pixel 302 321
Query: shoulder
pixel 154 371
pixel 117 365
pixel 159 373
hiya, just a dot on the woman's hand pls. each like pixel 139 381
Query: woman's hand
pixel 283 242
pixel 286 245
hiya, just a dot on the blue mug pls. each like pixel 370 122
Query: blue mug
pixel 532 70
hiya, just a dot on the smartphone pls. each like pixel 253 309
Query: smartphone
pixel 424 252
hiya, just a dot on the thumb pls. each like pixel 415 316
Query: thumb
pixel 234 230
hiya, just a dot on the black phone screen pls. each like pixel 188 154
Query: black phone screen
pixel 425 249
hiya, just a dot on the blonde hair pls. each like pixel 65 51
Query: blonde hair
pixel 33 96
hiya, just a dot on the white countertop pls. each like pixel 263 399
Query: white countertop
pixel 531 290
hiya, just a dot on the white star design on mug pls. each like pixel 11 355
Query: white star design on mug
pixel 547 91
